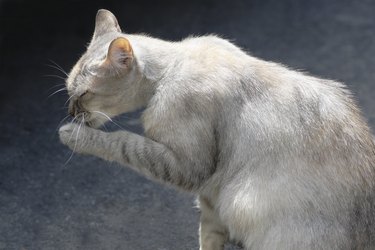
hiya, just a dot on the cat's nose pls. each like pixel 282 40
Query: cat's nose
pixel 72 109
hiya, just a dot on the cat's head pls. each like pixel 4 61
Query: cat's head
pixel 104 82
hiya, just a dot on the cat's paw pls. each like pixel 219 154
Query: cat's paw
pixel 73 136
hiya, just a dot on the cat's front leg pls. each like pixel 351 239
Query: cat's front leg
pixel 142 154
pixel 212 233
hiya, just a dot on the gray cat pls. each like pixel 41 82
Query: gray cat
pixel 279 159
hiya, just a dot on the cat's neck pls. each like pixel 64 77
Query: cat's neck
pixel 155 57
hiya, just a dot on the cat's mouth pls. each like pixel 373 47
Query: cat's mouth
pixel 93 123
pixel 93 119
pixel 90 124
pixel 96 119
pixel 87 119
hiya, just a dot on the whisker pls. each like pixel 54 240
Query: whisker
pixel 56 86
pixel 54 67
pixel 53 87
pixel 76 141
pixel 109 118
pixel 79 128
pixel 58 126
pixel 105 128
pixel 127 117
pixel 55 76
pixel 58 67
pixel 73 129
pixel 75 118
pixel 69 99
pixel 64 119
pixel 57 91
pixel 105 115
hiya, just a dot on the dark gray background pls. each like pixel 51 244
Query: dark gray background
pixel 90 204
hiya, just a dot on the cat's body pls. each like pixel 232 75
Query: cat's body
pixel 280 160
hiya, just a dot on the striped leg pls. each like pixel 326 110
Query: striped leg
pixel 142 154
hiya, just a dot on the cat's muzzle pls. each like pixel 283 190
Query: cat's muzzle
pixel 75 108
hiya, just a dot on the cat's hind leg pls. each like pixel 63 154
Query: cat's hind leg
pixel 212 233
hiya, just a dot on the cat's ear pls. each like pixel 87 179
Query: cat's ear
pixel 105 22
pixel 120 54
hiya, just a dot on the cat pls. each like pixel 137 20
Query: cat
pixel 278 158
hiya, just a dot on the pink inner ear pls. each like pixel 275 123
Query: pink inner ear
pixel 120 52
pixel 124 60
pixel 118 56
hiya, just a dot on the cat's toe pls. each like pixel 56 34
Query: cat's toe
pixel 66 133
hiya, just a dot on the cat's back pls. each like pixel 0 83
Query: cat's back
pixel 288 136
pixel 280 137
pixel 211 55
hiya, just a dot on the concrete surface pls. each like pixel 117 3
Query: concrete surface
pixel 90 204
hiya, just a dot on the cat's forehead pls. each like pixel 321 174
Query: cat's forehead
pixel 74 80
pixel 80 76
pixel 94 51
pixel 94 54
pixel 100 45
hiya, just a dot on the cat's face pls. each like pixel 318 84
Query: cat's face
pixel 103 82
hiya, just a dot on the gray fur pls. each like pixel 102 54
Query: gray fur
pixel 279 159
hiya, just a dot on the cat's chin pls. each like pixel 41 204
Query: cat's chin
pixel 94 124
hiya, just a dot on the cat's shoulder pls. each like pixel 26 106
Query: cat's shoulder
pixel 211 40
